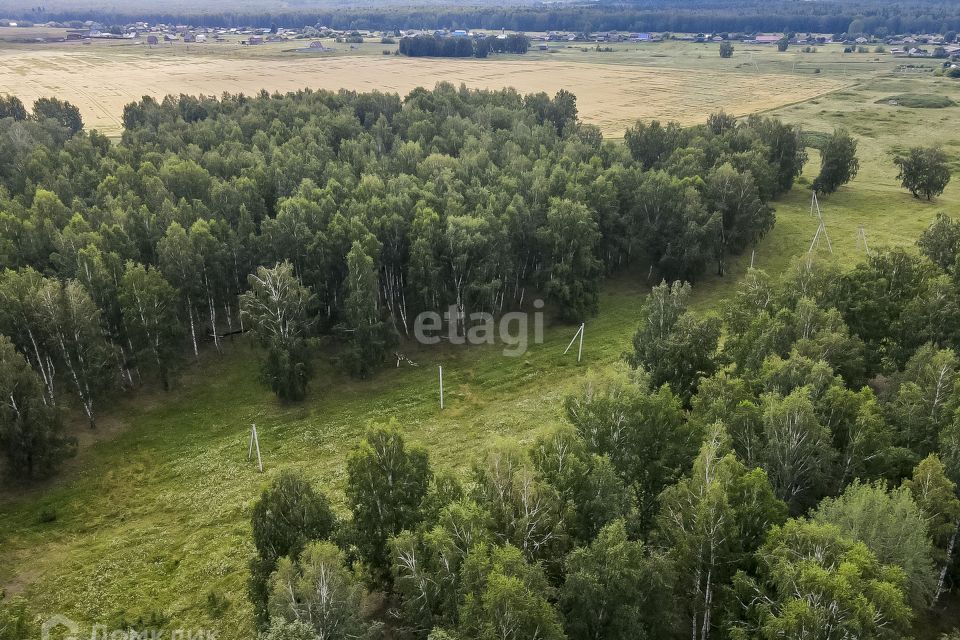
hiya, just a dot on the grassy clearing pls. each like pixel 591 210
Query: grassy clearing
pixel 889 215
pixel 154 519
pixel 153 515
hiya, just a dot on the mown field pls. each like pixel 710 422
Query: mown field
pixel 613 88
pixel 152 516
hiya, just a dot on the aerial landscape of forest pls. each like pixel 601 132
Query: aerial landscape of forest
pixel 446 321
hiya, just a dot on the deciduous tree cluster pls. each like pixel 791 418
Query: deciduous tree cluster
pixel 797 479
pixel 342 214
pixel 462 46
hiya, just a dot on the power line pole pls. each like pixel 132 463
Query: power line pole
pixel 862 238
pixel 572 340
pixel 821 228
pixel 255 443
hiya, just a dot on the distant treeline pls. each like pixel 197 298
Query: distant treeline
pixel 858 16
pixel 462 47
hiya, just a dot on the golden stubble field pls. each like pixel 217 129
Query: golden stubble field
pixel 102 79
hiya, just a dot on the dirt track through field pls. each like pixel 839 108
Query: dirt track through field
pixel 102 81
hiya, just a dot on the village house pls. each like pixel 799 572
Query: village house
pixel 766 38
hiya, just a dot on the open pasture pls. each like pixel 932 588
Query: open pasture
pixel 101 78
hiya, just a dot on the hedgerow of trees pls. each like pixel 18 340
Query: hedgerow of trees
pixel 338 215
pixel 462 46
pixel 798 477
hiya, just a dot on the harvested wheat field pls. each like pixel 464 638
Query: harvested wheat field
pixel 102 80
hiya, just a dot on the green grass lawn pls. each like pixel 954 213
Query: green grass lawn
pixel 152 516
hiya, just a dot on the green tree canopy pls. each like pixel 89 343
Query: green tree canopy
pixel 505 598
pixel 924 171
pixel 810 576
pixel 276 307
pixel 892 527
pixel 60 111
pixel 838 162
pixel 318 591
pixel 386 484
pixel 31 432
pixel 288 515
pixel 674 345
pixel 615 590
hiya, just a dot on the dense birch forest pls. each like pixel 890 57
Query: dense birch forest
pixel 342 215
pixel 782 467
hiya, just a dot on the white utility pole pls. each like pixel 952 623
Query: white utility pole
pixel 255 442
pixel 572 340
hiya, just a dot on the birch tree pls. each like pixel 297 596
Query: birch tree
pixel 319 591
pixel 100 274
pixel 676 346
pixel 572 271
pixel 615 590
pixel 593 492
pixel 923 403
pixel 276 308
pixel 287 516
pixel 811 581
pixel 838 162
pixel 936 496
pixel 797 453
pixel 862 436
pixel 643 433
pixel 427 565
pixel 710 522
pixel 22 320
pixel 892 526
pixel 524 511
pixel 728 399
pixel 179 263
pixel 941 242
pixel 742 217
pixel 506 598
pixel 386 484
pixel 209 252
pixel 425 279
pixel 31 433
pixel 71 322
pixel 149 311
pixel 467 248
pixel 368 335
